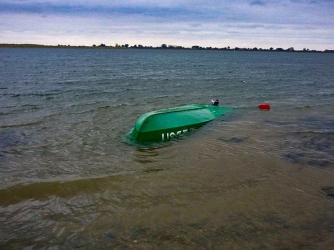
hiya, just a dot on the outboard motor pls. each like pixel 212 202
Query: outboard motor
pixel 215 103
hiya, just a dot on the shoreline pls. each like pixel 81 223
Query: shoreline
pixel 163 47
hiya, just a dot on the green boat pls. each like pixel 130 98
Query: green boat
pixel 166 124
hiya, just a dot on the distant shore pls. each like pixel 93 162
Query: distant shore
pixel 163 46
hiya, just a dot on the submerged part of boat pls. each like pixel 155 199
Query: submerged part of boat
pixel 166 124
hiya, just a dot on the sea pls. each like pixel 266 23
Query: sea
pixel 71 178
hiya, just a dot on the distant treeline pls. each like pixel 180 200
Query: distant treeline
pixel 163 46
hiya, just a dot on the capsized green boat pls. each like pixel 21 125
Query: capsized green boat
pixel 166 124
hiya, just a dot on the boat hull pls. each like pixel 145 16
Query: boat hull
pixel 166 124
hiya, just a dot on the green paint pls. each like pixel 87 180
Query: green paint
pixel 165 124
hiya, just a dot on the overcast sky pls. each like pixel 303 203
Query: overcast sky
pixel 217 23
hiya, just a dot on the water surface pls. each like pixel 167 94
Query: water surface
pixel 252 179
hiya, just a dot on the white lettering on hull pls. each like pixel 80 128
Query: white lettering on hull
pixel 171 135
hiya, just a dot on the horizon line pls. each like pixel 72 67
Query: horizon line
pixel 163 46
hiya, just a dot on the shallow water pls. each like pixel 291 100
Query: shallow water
pixel 70 178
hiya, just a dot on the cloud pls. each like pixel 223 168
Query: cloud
pixel 272 11
pixel 258 2
pixel 282 23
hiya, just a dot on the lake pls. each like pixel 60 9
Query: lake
pixel 252 179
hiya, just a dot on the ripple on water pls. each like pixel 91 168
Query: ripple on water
pixel 311 148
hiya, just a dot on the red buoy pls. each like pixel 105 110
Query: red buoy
pixel 265 106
